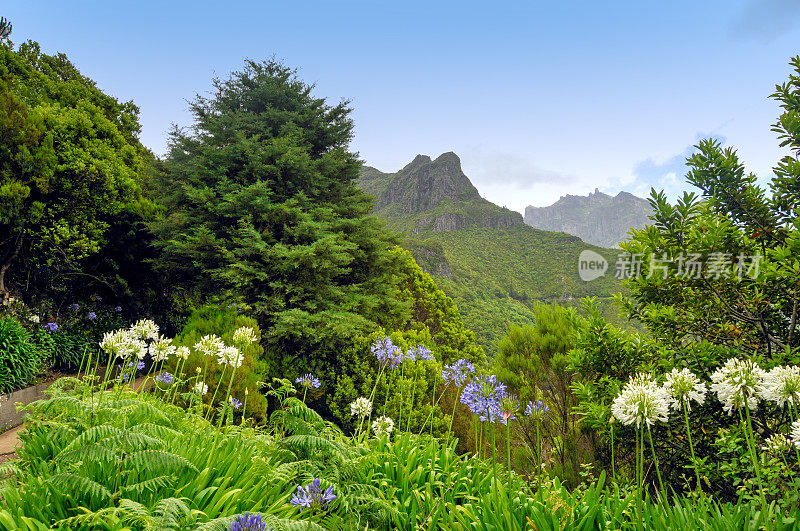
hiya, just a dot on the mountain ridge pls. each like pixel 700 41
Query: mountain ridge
pixel 598 218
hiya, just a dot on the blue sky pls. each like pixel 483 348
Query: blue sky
pixel 539 99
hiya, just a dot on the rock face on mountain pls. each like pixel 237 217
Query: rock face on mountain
pixel 599 219
pixel 432 195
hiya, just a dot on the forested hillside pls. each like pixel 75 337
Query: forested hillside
pixel 493 265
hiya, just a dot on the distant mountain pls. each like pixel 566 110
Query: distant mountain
pixel 493 265
pixel 432 195
pixel 599 219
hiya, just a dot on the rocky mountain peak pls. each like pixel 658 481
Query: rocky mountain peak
pixel 598 218
pixel 433 195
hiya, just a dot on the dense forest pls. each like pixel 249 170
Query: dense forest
pixel 236 342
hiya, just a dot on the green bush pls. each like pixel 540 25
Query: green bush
pixel 20 360
pixel 223 323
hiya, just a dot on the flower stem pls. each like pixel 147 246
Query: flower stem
pixel 691 445
pixel 655 463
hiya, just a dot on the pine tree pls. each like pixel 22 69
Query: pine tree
pixel 261 209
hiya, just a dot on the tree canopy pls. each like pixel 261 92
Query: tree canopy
pixel 70 162
pixel 260 208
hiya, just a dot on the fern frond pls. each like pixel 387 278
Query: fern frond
pixel 172 513
pixel 154 461
pixel 80 486
pixel 151 485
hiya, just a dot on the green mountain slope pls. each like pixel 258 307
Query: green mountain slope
pixel 483 256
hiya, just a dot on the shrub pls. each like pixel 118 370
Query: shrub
pixel 223 323
pixel 20 360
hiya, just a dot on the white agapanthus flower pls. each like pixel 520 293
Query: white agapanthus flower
pixel 777 445
pixel 361 406
pixel 200 388
pixel 782 385
pixel 794 434
pixel 118 343
pixel 209 345
pixel 161 349
pixel 230 356
pixel 642 401
pixel 382 426
pixel 244 335
pixel 139 348
pixel 182 353
pixel 35 319
pixel 144 329
pixel 684 387
pixel 738 383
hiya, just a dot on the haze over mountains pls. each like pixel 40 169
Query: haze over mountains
pixel 482 255
pixel 600 219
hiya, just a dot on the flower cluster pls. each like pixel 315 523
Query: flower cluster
pixel 641 401
pixel 91 316
pixel 782 385
pixel 388 354
pixel 312 496
pixel 536 409
pixel 200 388
pixel 209 345
pixel 777 445
pixel 421 352
pixel 164 377
pixel 457 373
pixel 236 404
pixel 361 407
pixel 738 383
pixel 144 329
pixel 230 356
pixel 308 380
pixel 683 387
pixel 244 335
pixel 51 327
pixel 382 426
pixel 182 353
pixel 122 344
pixel 161 348
pixel 248 522
pixel 484 397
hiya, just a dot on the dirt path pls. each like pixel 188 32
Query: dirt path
pixel 9 439
pixel 8 443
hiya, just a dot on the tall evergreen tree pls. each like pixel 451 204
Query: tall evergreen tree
pixel 261 209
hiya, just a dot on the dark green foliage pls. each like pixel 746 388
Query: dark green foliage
pixel 260 208
pixel 69 160
pixel 20 360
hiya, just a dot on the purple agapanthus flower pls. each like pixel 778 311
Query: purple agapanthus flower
pixel 91 316
pixel 74 306
pixel 308 380
pixel 164 377
pixel 422 352
pixel 536 408
pixel 484 397
pixel 124 377
pixel 118 309
pixel 248 522
pixel 389 355
pixel 139 366
pixel 457 373
pixel 235 403
pixel 312 495
pixel 51 327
